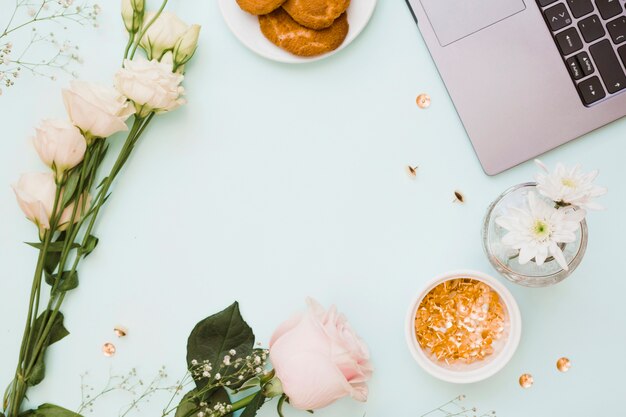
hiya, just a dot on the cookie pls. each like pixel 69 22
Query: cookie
pixel 288 34
pixel 259 7
pixel 316 14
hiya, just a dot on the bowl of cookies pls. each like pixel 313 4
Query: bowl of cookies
pixel 463 326
pixel 296 31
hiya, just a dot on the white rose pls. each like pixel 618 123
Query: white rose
pixel 60 145
pixel 35 193
pixel 163 34
pixel 97 110
pixel 151 85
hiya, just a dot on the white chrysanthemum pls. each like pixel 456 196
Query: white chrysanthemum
pixel 537 229
pixel 569 186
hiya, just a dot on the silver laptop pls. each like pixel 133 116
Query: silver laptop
pixel 526 76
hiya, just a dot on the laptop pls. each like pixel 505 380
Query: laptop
pixel 527 76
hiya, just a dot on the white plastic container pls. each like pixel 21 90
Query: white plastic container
pixel 480 370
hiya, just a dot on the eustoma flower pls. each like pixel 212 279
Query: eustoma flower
pixel 163 34
pixel 132 14
pixel 151 85
pixel 319 359
pixel 537 230
pixel 569 186
pixel 97 110
pixel 60 145
pixel 35 194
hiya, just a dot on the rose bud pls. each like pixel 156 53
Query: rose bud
pixel 163 34
pixel 186 46
pixel 60 145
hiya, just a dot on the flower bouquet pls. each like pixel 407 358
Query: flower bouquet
pixel 65 202
pixel 535 234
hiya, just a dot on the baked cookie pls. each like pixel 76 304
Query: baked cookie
pixel 259 7
pixel 288 34
pixel 316 14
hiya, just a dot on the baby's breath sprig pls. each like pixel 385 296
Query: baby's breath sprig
pixel 43 54
pixel 235 372
pixel 455 408
pixel 130 383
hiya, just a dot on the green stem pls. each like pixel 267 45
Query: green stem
pixel 19 384
pixel 243 403
pixel 146 27
pixel 100 199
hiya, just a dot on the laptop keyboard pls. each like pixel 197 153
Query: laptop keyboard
pixel 591 37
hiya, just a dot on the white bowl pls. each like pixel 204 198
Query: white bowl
pixel 480 370
pixel 246 28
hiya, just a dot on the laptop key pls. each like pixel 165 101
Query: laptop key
pixel 569 41
pixel 544 3
pixel 591 90
pixel 558 17
pixel 608 66
pixel 622 54
pixel 585 63
pixel 574 68
pixel 617 29
pixel 591 28
pixel 580 8
pixel 609 8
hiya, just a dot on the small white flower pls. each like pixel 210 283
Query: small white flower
pixel 194 362
pixel 232 352
pixel 206 374
pixel 537 229
pixel 569 186
pixel 226 360
pixel 218 376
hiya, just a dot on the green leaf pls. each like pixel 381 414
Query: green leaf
pixel 214 336
pixel 190 403
pixel 53 258
pixel 49 410
pixel 57 332
pixel 90 245
pixel 38 373
pixel 69 281
pixel 254 406
pixel 52 246
pixel 70 188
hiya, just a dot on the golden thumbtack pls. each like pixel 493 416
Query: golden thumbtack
pixel 526 381
pixel 108 349
pixel 458 197
pixel 412 170
pixel 423 101
pixel 563 364
pixel 120 331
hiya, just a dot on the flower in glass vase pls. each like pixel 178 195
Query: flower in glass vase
pixel 569 186
pixel 538 229
pixel 535 234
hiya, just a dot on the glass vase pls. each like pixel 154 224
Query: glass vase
pixel 505 259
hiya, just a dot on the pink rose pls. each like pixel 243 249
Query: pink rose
pixel 319 359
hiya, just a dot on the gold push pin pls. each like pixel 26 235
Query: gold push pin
pixel 108 349
pixel 120 331
pixel 412 170
pixel 458 197
pixel 563 364
pixel 423 101
pixel 526 381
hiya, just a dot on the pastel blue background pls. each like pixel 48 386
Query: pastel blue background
pixel 278 182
